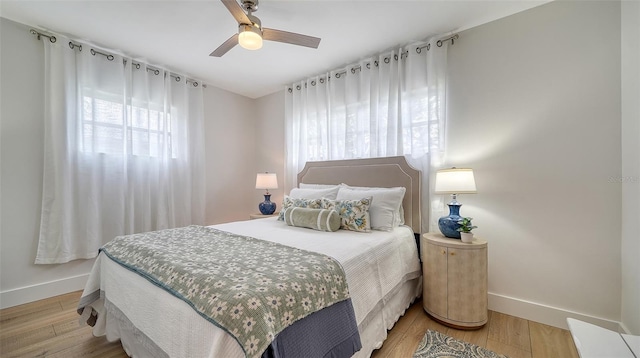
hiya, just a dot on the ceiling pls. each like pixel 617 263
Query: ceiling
pixel 180 34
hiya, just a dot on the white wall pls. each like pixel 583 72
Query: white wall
pixel 270 139
pixel 230 154
pixel 630 166
pixel 535 111
pixel 245 137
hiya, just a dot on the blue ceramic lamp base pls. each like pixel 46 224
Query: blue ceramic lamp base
pixel 267 207
pixel 449 224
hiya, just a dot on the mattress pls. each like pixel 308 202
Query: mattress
pixel 382 270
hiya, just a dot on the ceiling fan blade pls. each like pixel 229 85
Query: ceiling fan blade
pixel 225 47
pixel 236 10
pixel 290 38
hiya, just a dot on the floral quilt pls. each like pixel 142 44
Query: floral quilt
pixel 251 288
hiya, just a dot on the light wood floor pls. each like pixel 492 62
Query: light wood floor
pixel 504 334
pixel 50 328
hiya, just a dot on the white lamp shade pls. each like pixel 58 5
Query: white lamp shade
pixel 250 39
pixel 455 181
pixel 266 181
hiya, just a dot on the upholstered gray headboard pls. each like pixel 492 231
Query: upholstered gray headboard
pixel 384 172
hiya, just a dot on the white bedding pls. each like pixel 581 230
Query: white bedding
pixel 382 270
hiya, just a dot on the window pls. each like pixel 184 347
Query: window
pixel 147 131
pixel 358 130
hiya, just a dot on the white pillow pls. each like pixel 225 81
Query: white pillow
pixel 399 217
pixel 329 193
pixel 317 186
pixel 385 206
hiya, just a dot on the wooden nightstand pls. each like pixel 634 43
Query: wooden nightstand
pixel 455 280
pixel 260 216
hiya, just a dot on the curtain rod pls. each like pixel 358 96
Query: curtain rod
pixel 439 43
pixel 110 57
pixel 38 34
pixel 403 55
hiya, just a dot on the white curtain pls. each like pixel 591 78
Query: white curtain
pixel 391 104
pixel 123 151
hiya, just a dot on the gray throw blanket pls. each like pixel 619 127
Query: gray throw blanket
pixel 251 288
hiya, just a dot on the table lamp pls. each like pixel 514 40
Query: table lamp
pixel 267 181
pixel 453 181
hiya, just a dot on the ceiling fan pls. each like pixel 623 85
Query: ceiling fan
pixel 251 33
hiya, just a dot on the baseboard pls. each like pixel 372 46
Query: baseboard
pixel 41 291
pixel 548 315
pixel 624 328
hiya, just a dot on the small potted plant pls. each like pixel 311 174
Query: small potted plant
pixel 465 229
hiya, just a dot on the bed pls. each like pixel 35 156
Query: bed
pixel 382 273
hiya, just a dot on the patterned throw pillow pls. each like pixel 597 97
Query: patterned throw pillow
pixel 289 202
pixel 354 214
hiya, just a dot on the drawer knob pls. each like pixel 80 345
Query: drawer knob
pixel 453 254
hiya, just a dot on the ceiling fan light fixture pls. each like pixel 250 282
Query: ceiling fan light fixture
pixel 251 33
pixel 250 37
